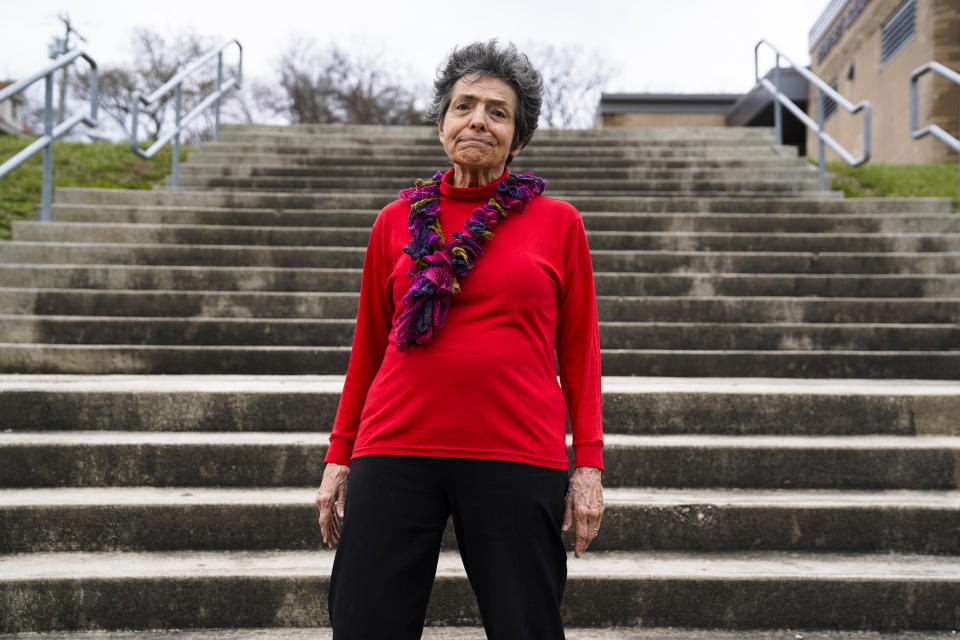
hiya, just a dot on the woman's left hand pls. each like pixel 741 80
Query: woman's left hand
pixel 585 505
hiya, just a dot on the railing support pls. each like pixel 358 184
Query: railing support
pixel 47 189
pixel 51 131
pixel 180 120
pixel 777 109
pixel 937 132
pixel 823 89
pixel 216 108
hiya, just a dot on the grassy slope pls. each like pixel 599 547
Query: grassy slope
pixel 900 181
pixel 75 164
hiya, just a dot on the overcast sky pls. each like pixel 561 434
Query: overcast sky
pixel 682 46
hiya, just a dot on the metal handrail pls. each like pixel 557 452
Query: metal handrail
pixel 50 132
pixel 176 84
pixel 937 132
pixel 817 127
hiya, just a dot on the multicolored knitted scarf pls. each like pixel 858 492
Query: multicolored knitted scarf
pixel 437 263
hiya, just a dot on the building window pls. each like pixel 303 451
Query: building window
pixel 829 104
pixel 898 30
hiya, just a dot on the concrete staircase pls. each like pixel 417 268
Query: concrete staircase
pixel 714 256
pixel 800 467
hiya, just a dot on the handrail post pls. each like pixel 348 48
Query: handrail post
pixel 822 154
pixel 47 190
pixel 176 138
pixel 777 109
pixel 216 108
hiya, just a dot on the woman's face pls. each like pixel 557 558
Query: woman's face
pixel 477 130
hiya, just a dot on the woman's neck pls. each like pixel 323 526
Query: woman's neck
pixel 464 177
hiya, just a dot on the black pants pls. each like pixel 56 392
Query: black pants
pixel 507 517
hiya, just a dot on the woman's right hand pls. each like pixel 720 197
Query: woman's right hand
pixel 332 500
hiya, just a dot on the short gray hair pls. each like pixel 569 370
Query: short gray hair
pixel 486 59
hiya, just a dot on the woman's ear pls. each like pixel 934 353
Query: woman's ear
pixel 515 151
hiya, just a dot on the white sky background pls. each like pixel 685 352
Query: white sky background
pixel 662 46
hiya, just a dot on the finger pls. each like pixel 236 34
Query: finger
pixel 582 540
pixel 588 527
pixel 328 525
pixel 325 531
pixel 583 533
pixel 568 513
pixel 342 499
pixel 331 535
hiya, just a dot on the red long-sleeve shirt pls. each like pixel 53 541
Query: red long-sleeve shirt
pixel 485 385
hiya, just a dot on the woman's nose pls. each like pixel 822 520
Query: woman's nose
pixel 478 120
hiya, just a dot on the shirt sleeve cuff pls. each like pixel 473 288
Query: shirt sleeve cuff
pixel 339 451
pixel 588 455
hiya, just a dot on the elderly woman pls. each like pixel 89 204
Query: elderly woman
pixel 472 282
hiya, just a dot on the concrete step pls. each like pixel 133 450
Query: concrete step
pixel 777 242
pixel 343 305
pixel 430 131
pixel 161 214
pixel 426 166
pixel 210 304
pixel 763 262
pixel 753 222
pixel 937 365
pixel 191 234
pixel 477 633
pixel 168 359
pixel 100 330
pixel 247 519
pixel 301 332
pixel 653 261
pixel 587 137
pixel 79 276
pixel 689 186
pixel 15 252
pixel 408 169
pixel 126 233
pixel 585 203
pixel 774 336
pixel 631 405
pixel 430 138
pixel 253 589
pixel 557 148
pixel 771 285
pixel 278 459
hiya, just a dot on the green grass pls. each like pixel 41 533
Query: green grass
pixel 108 165
pixel 896 181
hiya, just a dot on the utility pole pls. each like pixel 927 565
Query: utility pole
pixel 58 47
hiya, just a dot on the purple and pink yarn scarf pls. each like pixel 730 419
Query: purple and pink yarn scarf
pixel 436 263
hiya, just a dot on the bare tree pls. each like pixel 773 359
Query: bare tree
pixel 337 86
pixel 573 79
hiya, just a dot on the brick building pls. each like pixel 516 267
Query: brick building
pixel 867 49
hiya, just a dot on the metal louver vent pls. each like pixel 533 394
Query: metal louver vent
pixel 829 104
pixel 898 30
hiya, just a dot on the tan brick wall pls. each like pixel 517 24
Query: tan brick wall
pixel 886 86
pixel 662 120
